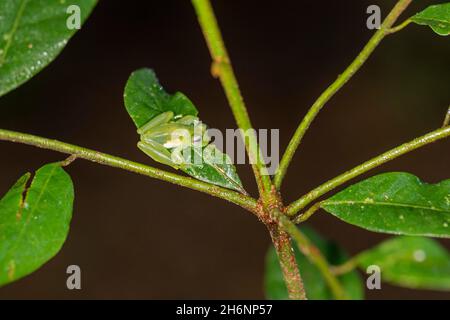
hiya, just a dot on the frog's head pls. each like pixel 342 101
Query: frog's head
pixel 179 138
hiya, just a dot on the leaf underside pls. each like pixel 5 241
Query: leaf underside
pixel 145 98
pixel 395 203
pixel 437 17
pixel 411 262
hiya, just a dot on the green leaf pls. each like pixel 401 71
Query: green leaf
pixel 32 34
pixel 396 203
pixel 216 168
pixel 315 285
pixel 437 17
pixel 145 98
pixel 412 262
pixel 34 223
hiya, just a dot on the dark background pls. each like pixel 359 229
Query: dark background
pixel 135 237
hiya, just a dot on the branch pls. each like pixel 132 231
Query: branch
pixel 433 136
pixel 447 118
pixel 346 267
pixel 308 213
pixel 222 69
pixel 288 263
pixel 335 87
pixel 313 254
pixel 401 26
pixel 116 162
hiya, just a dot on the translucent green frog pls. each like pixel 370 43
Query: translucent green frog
pixel 166 136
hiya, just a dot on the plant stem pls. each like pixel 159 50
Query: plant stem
pixel 447 118
pixel 288 264
pixel 335 87
pixel 223 69
pixel 344 268
pixel 313 254
pixel 116 162
pixel 401 26
pixel 433 136
pixel 308 213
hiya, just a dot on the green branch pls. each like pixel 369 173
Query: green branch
pixel 301 203
pixel 447 118
pixel 399 27
pixel 116 162
pixel 222 69
pixel 346 267
pixel 286 257
pixel 335 87
pixel 312 253
pixel 308 213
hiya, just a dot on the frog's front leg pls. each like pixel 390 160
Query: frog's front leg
pixel 157 152
pixel 178 156
pixel 200 135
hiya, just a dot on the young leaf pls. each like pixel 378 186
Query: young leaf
pixel 145 99
pixel 412 262
pixel 315 285
pixel 32 34
pixel 34 223
pixel 396 203
pixel 437 17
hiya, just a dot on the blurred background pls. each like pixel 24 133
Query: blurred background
pixel 135 237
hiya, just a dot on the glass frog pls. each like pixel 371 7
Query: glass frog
pixel 166 136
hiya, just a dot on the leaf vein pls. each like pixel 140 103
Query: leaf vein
pixel 13 31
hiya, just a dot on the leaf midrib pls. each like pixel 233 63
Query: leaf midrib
pixel 32 211
pixel 224 174
pixel 381 203
pixel 428 20
pixel 12 32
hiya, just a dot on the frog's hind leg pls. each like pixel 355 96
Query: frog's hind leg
pixel 160 119
pixel 157 152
